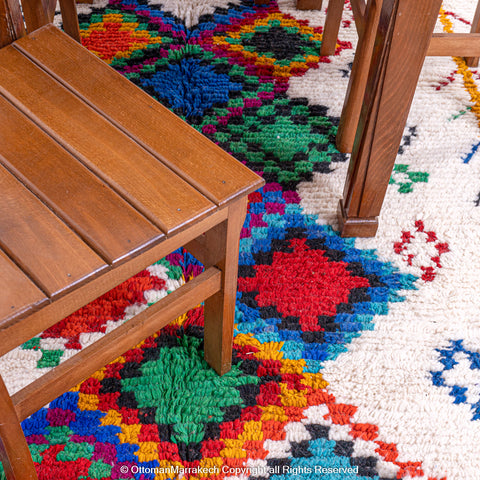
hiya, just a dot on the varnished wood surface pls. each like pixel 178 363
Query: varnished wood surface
pixel 379 94
pixel 110 225
pixel 131 171
pixel 220 308
pixel 354 98
pixel 49 7
pixel 14 332
pixel 19 294
pixel 14 453
pixel 332 25
pixel 43 246
pixel 35 13
pixel 114 194
pixel 454 44
pixel 475 28
pixel 359 9
pixel 366 21
pixel 124 104
pixel 69 18
pixel 309 4
pixel 11 22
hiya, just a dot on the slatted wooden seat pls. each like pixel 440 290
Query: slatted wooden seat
pixel 98 181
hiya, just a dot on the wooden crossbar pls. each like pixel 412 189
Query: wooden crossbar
pixel 112 345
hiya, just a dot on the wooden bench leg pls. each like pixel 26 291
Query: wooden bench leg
pixel 220 247
pixel 332 27
pixel 14 453
pixel 402 38
pixel 309 4
pixel 49 6
pixel 473 61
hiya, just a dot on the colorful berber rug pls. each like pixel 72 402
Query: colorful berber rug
pixel 353 358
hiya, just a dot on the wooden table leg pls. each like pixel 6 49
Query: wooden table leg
pixel 14 453
pixel 402 38
pixel 354 98
pixel 473 61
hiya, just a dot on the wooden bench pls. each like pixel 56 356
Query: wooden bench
pixel 97 182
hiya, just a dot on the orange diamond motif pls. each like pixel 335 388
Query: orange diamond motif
pixel 113 38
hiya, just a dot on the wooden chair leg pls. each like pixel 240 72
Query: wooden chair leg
pixel 402 38
pixel 473 61
pixel 70 19
pixel 309 4
pixel 332 26
pixel 223 248
pixel 50 6
pixel 352 105
pixel 14 453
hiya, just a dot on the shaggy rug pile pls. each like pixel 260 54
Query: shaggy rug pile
pixel 353 358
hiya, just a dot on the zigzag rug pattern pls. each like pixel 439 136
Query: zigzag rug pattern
pixel 353 358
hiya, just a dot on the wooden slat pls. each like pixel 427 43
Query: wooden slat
pixel 455 45
pixel 103 219
pixel 11 22
pixel 108 348
pixel 52 255
pixel 156 191
pixel 309 4
pixel 19 294
pixel 215 173
pixel 35 13
pixel 13 334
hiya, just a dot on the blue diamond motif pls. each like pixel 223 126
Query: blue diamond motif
pixel 456 360
pixel 191 86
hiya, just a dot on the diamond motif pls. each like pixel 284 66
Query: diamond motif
pixel 460 375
